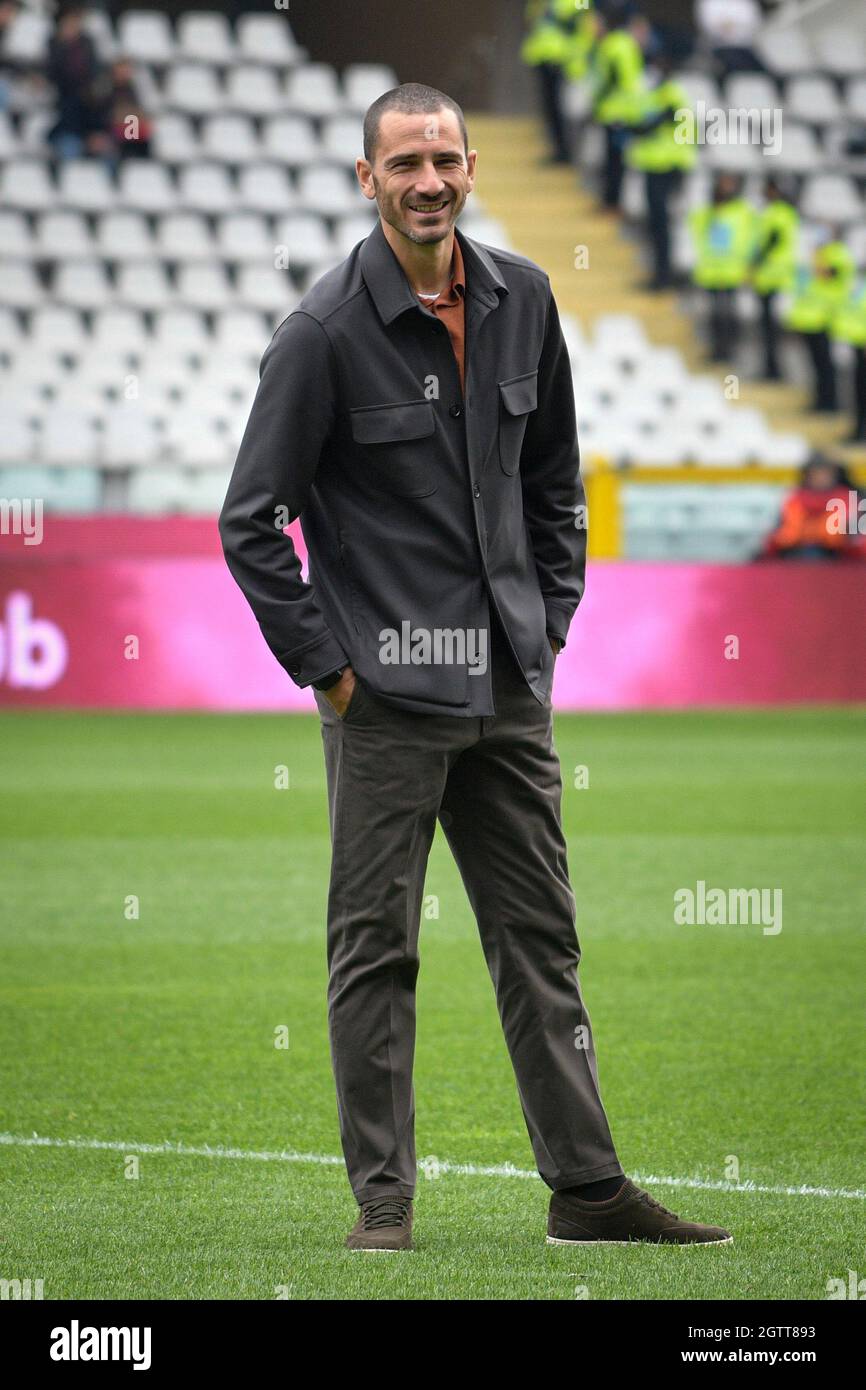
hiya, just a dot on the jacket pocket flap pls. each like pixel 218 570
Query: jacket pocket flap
pixel 387 424
pixel 520 395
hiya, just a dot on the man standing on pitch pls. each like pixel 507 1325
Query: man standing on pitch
pixel 416 412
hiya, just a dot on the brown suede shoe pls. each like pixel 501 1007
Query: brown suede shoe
pixel 632 1215
pixel 385 1223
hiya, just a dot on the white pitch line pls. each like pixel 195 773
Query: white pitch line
pixel 465 1170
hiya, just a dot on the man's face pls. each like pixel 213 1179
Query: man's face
pixel 420 176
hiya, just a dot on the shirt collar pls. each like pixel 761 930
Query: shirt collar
pixel 391 292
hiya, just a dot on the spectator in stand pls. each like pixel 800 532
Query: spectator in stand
pixel 821 292
pixel 723 232
pixel 128 123
pixel 8 67
pixel 74 68
pixel 730 28
pixel 774 265
pixel 820 518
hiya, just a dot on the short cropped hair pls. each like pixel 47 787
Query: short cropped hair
pixel 412 98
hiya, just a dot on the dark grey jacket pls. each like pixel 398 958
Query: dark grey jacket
pixel 418 507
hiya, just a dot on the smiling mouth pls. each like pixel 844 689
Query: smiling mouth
pixel 429 207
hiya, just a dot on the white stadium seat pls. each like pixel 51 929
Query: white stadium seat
pixel 26 184
pixel 751 90
pixel 15 238
pixel 239 329
pixel 193 88
pixel 832 197
pixel 231 139
pixel 841 50
pixel 147 186
pixel 184 236
pixel 343 139
pixel 243 236
pixel 17 440
pixel 313 90
pixel 263 287
pixel 206 188
pixel 813 100
pixel 800 150
pixel 28 36
pixel 144 285
pixel 785 49
pixel 329 191
pixel 267 38
pixel 85 184
pixel 124 236
pixel 350 230
pixel 20 286
pixel 129 436
pixel 83 284
pixel 305 237
pixel 9 141
pixel 364 82
pixel 68 436
pixel 265 188
pixel 174 138
pixel 291 140
pixel 146 36
pixel 254 90
pixel 205 36
pixel 181 329
pixel 118 330
pixel 204 286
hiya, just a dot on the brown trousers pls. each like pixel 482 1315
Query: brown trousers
pixel 494 784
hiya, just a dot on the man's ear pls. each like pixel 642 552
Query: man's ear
pixel 364 172
pixel 471 160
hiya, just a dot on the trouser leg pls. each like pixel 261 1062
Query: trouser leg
pixel 731 323
pixel 717 325
pixel 386 771
pixel 613 168
pixel 659 187
pixel 860 392
pixel 501 815
pixel 550 87
pixel 770 332
pixel 818 345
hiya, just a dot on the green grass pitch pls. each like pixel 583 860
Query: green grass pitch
pixel 716 1043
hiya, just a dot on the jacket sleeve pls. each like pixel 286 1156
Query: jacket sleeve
pixel 292 417
pixel 554 501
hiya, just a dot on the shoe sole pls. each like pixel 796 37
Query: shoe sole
pixel 558 1240
pixel 378 1250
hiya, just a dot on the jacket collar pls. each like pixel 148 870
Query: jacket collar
pixel 391 291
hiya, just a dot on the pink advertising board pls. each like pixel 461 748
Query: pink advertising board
pixel 132 614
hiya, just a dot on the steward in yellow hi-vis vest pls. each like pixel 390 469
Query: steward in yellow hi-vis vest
pixel 819 294
pixel 774 265
pixel 584 37
pixel 618 90
pixel 848 325
pixel 662 147
pixel 550 47
pixel 723 232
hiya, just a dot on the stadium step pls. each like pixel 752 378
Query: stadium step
pixel 548 214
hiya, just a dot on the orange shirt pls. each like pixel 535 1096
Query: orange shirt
pixel 449 307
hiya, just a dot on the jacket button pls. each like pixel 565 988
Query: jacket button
pixel 294 670
pixel 455 411
pixel 476 491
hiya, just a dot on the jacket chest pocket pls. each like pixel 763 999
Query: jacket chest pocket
pixel 517 399
pixel 391 440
